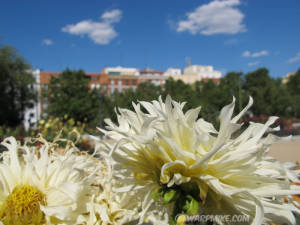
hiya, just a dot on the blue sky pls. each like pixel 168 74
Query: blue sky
pixel 231 35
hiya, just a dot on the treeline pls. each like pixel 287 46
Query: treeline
pixel 271 96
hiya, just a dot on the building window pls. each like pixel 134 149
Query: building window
pixel 112 82
pixel 120 82
pixel 133 82
pixel 127 82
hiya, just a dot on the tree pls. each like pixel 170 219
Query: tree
pixel 231 85
pixel 180 91
pixel 210 98
pixel 293 87
pixel 16 87
pixel 293 83
pixel 147 91
pixel 260 86
pixel 69 96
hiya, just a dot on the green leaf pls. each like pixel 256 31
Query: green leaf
pixel 191 206
pixel 157 193
pixel 169 195
pixel 172 222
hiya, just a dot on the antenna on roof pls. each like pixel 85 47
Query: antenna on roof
pixel 188 61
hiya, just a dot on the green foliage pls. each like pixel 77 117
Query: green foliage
pixel 69 95
pixel 191 206
pixel 50 128
pixel 180 91
pixel 259 85
pixel 147 91
pixel 64 128
pixel 271 97
pixel 185 198
pixel 293 87
pixel 16 87
pixel 293 83
pixel 19 132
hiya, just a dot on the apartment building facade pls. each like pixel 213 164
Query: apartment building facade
pixel 118 79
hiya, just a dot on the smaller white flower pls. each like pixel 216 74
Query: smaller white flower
pixel 37 187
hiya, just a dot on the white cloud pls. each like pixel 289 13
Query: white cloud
pixel 216 17
pixel 294 59
pixel 246 54
pixel 112 16
pixel 100 32
pixel 47 42
pixel 253 63
pixel 255 54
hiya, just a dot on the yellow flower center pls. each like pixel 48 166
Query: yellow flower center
pixel 22 206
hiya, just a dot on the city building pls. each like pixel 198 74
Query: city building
pixel 193 73
pixel 121 71
pixel 172 72
pixel 120 78
pixel 121 82
pixel 202 71
pixel 156 77
pixel 113 79
pixel 287 77
pixel 33 115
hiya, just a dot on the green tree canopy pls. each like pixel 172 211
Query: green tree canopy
pixel 16 87
pixel 293 87
pixel 293 83
pixel 180 91
pixel 260 86
pixel 69 96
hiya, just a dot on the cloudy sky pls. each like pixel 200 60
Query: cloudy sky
pixel 231 35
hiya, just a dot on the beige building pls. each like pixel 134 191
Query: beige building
pixel 121 71
pixel 194 73
pixel 202 71
pixel 286 77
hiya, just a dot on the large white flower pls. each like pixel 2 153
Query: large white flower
pixel 38 186
pixel 167 147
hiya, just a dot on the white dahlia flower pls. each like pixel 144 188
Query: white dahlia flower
pixel 107 207
pixel 38 186
pixel 174 157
